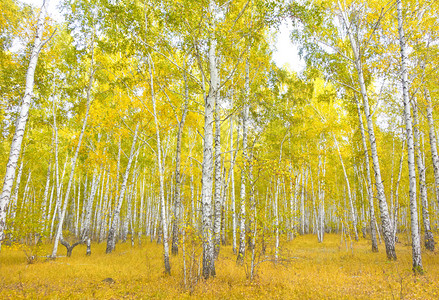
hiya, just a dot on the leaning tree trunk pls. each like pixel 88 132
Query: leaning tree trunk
pixel 21 121
pixel 12 207
pixel 348 186
pixel 58 234
pixel 416 243
pixel 369 180
pixel 396 205
pixel 385 217
pixel 116 213
pixel 161 177
pixel 86 231
pixel 386 223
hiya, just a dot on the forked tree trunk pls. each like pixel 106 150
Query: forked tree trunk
pixel 69 247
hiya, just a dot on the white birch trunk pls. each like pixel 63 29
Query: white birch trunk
pixel 100 208
pixel 429 238
pixel 44 203
pixel 385 217
pixel 85 232
pixel 87 229
pixel 20 125
pixel 207 164
pixel 116 213
pixel 75 157
pixel 294 219
pixel 369 180
pixel 290 230
pixel 161 170
pixel 142 214
pixel 78 208
pixel 302 202
pixel 105 209
pixel 218 180
pixel 177 192
pixel 321 197
pixel 348 186
pixel 232 196
pixel 84 203
pixel 433 142
pixel 396 204
pixel 245 116
pixel 12 207
pixel 276 221
pixel 416 243
pixel 50 212
pixel 58 234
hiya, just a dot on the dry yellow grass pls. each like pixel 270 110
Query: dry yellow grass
pixel 310 271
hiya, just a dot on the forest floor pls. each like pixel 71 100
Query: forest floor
pixel 308 270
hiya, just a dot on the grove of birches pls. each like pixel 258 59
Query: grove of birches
pixel 159 121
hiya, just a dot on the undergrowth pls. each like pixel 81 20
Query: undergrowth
pixel 309 270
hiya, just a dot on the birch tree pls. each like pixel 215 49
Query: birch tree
pixel 207 163
pixel 63 210
pixel 160 162
pixel 178 175
pixel 368 179
pixel 20 123
pixel 328 37
pixel 245 117
pixel 428 238
pixel 416 243
pixel 111 239
pixel 433 141
pixel 218 179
